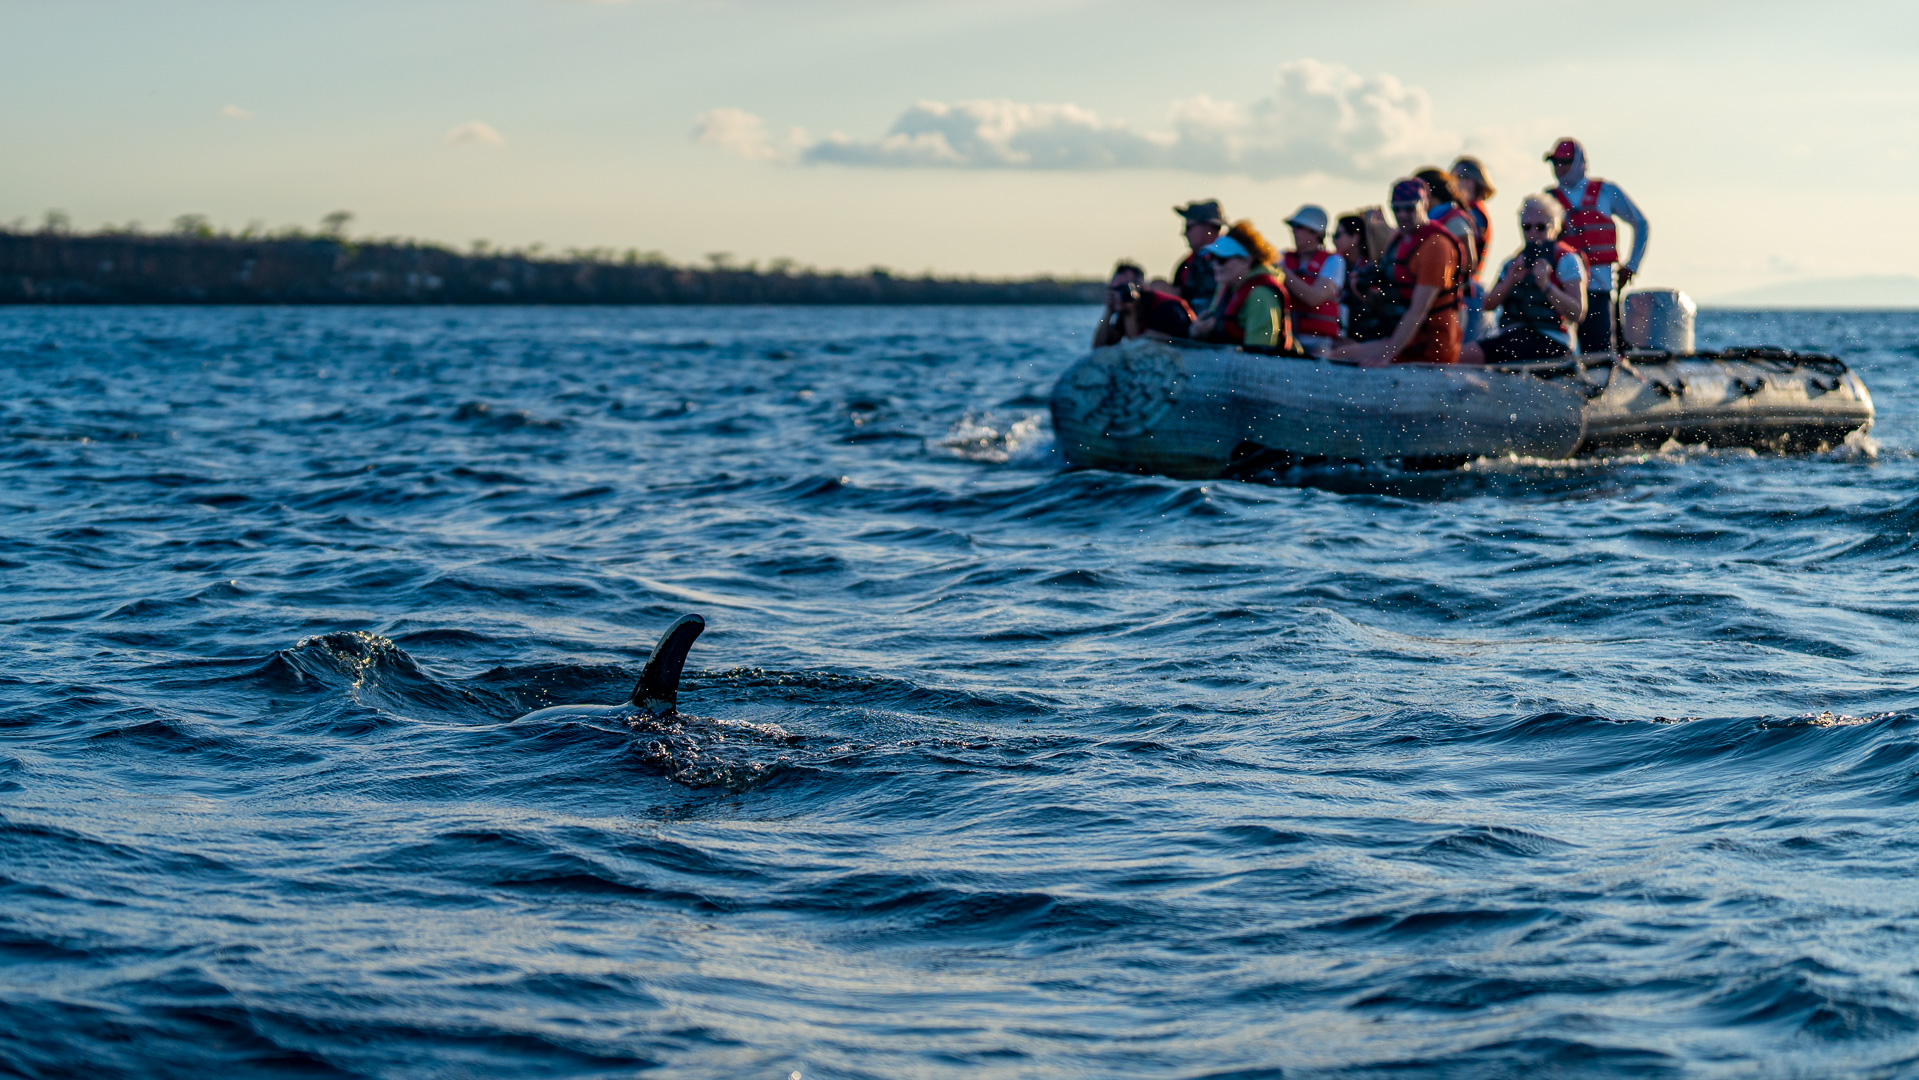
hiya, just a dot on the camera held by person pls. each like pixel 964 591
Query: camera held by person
pixel 1136 309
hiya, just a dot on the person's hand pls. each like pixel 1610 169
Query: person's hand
pixel 1373 361
pixel 1625 275
pixel 1112 300
pixel 1541 274
pixel 1514 271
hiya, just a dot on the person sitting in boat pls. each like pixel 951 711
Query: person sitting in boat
pixel 1418 274
pixel 1354 247
pixel 1136 309
pixel 1249 305
pixel 1193 277
pixel 1448 208
pixel 1360 238
pixel 1313 278
pixel 1541 294
pixel 1591 204
pixel 1469 177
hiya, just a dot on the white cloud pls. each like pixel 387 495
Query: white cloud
pixel 474 133
pixel 1319 119
pixel 235 112
pixel 739 132
pixel 999 135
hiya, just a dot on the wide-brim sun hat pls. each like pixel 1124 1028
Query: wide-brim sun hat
pixel 1202 212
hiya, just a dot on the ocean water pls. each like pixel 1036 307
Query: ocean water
pixel 987 769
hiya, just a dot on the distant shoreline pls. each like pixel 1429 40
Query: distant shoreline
pixel 127 268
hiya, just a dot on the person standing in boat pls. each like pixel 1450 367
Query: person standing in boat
pixel 1541 294
pixel 1313 278
pixel 1249 305
pixel 1469 177
pixel 1591 204
pixel 1136 309
pixel 1420 277
pixel 1193 277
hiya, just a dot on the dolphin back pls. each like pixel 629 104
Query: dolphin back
pixel 658 690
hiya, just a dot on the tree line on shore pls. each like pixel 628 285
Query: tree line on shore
pixel 195 262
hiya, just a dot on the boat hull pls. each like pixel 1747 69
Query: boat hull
pixel 1191 411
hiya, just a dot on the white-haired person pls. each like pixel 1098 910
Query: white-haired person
pixel 1541 294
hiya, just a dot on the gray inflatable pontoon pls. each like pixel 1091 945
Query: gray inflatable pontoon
pixel 1198 411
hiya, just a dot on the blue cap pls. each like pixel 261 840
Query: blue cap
pixel 1226 248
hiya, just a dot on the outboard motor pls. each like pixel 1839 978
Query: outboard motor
pixel 1659 319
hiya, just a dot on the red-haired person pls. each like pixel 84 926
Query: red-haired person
pixel 1249 307
pixel 1420 275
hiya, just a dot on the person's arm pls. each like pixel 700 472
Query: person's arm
pixel 1504 286
pixel 1416 312
pixel 1204 326
pixel 1625 210
pixel 1377 354
pixel 1314 293
pixel 1568 304
pixel 1109 331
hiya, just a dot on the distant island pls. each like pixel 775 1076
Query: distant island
pixel 193 264
pixel 1872 292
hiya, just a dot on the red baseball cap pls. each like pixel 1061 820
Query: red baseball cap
pixel 1565 151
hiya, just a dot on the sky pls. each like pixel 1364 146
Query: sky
pixel 986 137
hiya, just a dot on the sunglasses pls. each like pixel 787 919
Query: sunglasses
pixel 1530 227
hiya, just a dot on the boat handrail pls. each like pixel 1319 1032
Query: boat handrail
pixel 1771 356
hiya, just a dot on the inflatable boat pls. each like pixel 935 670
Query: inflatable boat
pixel 1190 410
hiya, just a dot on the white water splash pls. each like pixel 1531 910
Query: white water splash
pixel 1026 440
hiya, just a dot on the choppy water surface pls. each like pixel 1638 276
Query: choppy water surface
pixel 994 769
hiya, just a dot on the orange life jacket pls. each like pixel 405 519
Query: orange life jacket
pixel 1320 320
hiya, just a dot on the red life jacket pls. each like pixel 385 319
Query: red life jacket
pixel 1231 330
pixel 1321 320
pixel 1399 256
pixel 1590 232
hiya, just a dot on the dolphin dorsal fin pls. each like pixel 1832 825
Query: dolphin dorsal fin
pixel 658 690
